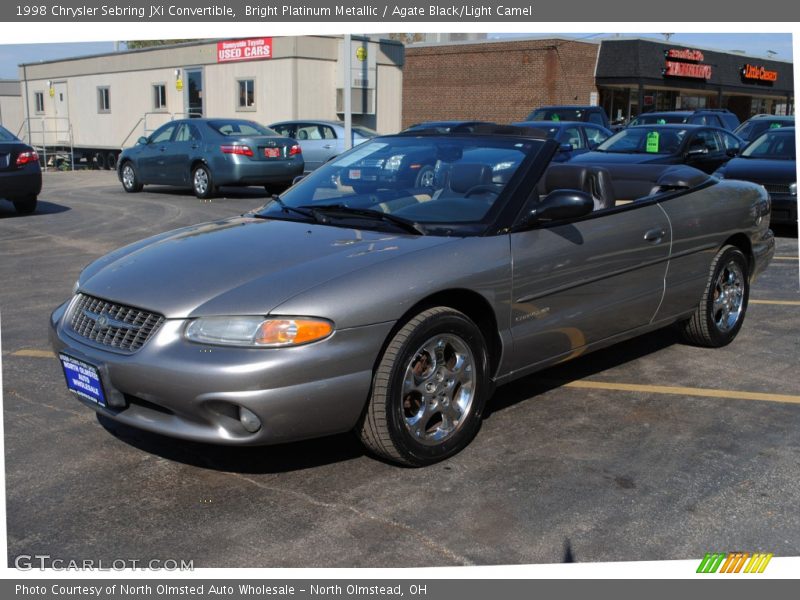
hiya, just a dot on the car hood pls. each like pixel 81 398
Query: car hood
pixel 616 158
pixel 238 266
pixel 761 170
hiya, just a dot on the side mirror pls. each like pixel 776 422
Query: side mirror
pixel 298 178
pixel 559 205
pixel 593 145
pixel 142 141
pixel 731 152
pixel 565 148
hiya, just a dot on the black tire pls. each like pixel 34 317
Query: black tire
pixel 713 324
pixel 130 181
pixel 111 161
pixel 386 425
pixel 100 160
pixel 202 182
pixel 425 177
pixel 25 206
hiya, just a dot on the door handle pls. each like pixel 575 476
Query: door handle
pixel 654 235
pixel 327 146
pixel 163 148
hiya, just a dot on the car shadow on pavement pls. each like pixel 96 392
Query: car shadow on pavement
pixel 223 194
pixel 596 362
pixel 251 460
pixel 785 231
pixel 43 207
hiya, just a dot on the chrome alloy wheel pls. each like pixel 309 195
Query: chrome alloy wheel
pixel 128 176
pixel 728 297
pixel 200 181
pixel 438 389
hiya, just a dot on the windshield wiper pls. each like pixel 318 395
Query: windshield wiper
pixel 286 208
pixel 324 209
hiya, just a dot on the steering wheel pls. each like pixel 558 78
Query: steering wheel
pixel 481 189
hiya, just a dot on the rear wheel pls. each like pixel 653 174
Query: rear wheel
pixel 428 391
pixel 26 205
pixel 111 160
pixel 720 314
pixel 130 179
pixel 202 183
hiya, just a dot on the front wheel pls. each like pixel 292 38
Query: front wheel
pixel 720 314
pixel 429 390
pixel 130 179
pixel 202 183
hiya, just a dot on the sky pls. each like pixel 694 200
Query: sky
pixel 752 44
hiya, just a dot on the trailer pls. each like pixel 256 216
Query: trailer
pixel 82 112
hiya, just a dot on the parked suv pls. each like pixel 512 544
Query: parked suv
pixel 755 126
pixel 716 117
pixel 586 114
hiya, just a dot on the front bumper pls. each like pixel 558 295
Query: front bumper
pixel 194 391
pixel 784 209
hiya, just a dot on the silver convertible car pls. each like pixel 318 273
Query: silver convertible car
pixel 356 302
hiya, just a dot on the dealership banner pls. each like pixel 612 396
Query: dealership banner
pixel 383 589
pixel 398 11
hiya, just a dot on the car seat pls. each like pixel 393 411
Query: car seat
pixel 595 181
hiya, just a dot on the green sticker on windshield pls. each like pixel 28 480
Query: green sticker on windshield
pixel 662 121
pixel 555 117
pixel 775 125
pixel 652 142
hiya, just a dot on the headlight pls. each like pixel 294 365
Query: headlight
pixel 393 162
pixel 258 331
pixel 793 189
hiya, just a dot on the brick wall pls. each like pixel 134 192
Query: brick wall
pixel 497 81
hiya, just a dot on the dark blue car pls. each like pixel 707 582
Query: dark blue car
pixel 204 154
pixel 574 137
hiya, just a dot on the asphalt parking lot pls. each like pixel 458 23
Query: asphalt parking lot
pixel 648 450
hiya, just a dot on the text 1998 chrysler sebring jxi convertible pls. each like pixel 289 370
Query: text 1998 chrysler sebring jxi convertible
pixel 357 302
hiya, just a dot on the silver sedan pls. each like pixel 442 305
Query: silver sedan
pixel 361 300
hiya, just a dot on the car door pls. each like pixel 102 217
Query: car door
pixel 318 143
pixel 704 150
pixel 185 146
pixel 578 283
pixel 151 159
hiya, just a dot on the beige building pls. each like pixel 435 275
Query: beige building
pixel 96 105
pixel 11 113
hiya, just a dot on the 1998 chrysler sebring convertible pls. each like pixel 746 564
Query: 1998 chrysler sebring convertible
pixel 355 302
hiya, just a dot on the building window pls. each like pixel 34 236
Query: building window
pixel 247 94
pixel 159 96
pixel 103 100
pixel 39 96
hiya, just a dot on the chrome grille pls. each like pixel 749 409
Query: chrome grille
pixel 118 326
pixel 777 188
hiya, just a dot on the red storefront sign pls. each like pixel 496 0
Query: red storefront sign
pixel 249 49
pixel 685 54
pixel 682 69
pixel 759 73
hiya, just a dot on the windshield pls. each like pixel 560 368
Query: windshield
pixel 5 135
pixel 773 145
pixel 365 132
pixel 659 119
pixel 645 140
pixel 430 180
pixel 235 127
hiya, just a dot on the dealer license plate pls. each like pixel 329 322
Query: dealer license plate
pixel 83 379
pixel 272 152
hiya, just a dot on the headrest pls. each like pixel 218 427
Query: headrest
pixel 465 176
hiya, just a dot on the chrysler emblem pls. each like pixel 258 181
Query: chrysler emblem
pixel 102 322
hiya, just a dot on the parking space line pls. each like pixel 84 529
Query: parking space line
pixel 34 353
pixel 683 391
pixel 776 302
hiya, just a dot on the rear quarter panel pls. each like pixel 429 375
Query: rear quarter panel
pixel 701 222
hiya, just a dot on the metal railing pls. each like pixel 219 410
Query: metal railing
pixel 52 132
pixel 149 127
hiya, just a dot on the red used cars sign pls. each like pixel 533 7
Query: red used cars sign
pixel 249 49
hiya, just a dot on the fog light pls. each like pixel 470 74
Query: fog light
pixel 249 420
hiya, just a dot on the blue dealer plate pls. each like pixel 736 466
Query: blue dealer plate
pixel 83 379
